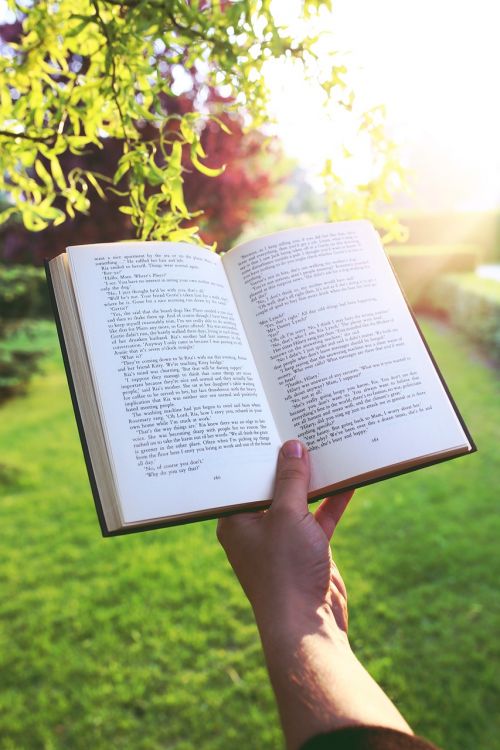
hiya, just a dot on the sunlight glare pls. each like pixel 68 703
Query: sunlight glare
pixel 433 64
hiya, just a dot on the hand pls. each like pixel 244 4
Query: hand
pixel 282 556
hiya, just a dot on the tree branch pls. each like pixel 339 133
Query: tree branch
pixel 50 140
pixel 104 29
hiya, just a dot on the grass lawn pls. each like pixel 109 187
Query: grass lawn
pixel 146 642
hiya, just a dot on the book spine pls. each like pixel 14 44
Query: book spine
pixel 74 400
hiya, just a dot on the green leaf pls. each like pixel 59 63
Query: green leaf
pixel 93 181
pixel 57 173
pixel 123 168
pixel 175 161
pixel 33 222
pixel 221 124
pixel 187 131
pixel 43 174
pixel 208 171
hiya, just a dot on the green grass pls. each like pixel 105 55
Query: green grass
pixel 146 642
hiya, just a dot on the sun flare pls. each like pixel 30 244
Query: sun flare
pixel 435 68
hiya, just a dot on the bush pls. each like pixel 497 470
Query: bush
pixel 417 266
pixel 22 345
pixel 23 293
pixel 23 296
pixel 471 304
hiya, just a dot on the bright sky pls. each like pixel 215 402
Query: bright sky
pixel 436 65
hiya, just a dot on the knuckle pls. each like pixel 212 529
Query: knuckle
pixel 290 474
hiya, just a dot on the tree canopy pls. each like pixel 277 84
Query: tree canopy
pixel 114 70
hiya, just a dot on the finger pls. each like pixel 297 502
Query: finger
pixel 329 513
pixel 337 580
pixel 292 478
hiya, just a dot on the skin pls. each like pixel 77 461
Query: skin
pixel 283 560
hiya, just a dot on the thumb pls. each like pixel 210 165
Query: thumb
pixel 292 478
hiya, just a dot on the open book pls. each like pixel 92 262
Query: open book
pixel 189 369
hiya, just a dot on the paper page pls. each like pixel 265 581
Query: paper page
pixel 185 416
pixel 340 357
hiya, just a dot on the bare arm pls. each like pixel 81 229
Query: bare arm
pixel 283 561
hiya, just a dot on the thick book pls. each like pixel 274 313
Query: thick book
pixel 189 369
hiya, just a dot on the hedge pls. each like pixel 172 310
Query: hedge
pixel 23 293
pixel 23 298
pixel 480 228
pixel 16 369
pixel 471 304
pixel 417 266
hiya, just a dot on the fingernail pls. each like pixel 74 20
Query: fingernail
pixel 292 449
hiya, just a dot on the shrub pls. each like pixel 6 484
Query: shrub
pixel 417 266
pixel 23 296
pixel 23 293
pixel 471 304
pixel 20 356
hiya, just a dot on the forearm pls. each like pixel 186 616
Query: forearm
pixel 283 560
pixel 318 682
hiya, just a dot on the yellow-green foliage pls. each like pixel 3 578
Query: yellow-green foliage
pixel 100 68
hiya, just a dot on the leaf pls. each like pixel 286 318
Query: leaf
pixel 76 30
pixel 177 198
pixel 208 171
pixel 77 142
pixel 93 181
pixel 182 235
pixel 187 131
pixel 221 124
pixel 50 213
pixel 43 174
pixel 175 160
pixel 199 150
pixel 57 173
pixel 123 168
pixel 33 222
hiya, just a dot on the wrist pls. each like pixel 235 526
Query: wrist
pixel 284 630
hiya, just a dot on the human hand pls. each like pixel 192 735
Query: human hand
pixel 282 556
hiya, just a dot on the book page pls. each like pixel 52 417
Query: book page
pixel 186 420
pixel 342 362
